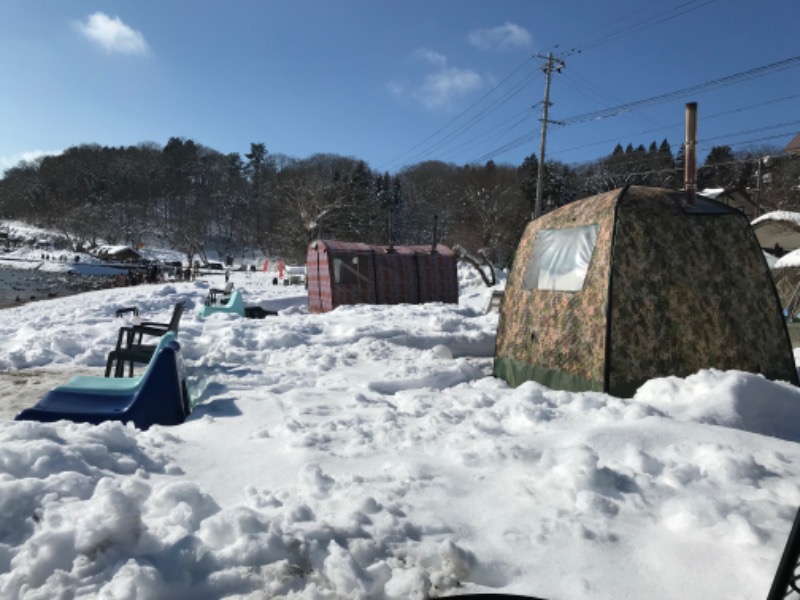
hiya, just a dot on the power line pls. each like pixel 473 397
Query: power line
pixel 630 106
pixel 458 126
pixel 729 135
pixel 583 86
pixel 457 117
pixel 661 17
pixel 653 21
pixel 472 121
pixel 783 135
pixel 497 132
pixel 711 166
pixel 679 124
pixel 516 143
pixel 701 87
pixel 703 147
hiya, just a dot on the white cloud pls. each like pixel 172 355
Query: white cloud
pixel 440 88
pixel 6 162
pixel 430 56
pixel 112 34
pixel 502 37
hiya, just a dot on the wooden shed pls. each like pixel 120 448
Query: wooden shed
pixel 354 273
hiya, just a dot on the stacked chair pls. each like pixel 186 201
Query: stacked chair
pixel 218 297
pixel 130 346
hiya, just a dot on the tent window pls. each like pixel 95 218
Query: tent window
pixel 560 259
pixel 345 270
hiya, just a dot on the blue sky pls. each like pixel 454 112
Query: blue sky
pixel 394 82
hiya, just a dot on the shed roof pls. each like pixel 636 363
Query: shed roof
pixel 781 228
pixel 794 146
pixel 359 247
pixel 116 250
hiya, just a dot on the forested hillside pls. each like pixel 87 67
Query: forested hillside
pixel 193 198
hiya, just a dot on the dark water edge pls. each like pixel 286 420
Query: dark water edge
pixel 19 286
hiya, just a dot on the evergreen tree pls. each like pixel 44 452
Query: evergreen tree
pixel 528 175
pixel 722 170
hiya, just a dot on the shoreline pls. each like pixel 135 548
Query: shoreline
pixel 34 285
pixel 53 296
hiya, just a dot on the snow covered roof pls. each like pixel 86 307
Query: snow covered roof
pixel 789 260
pixel 116 250
pixel 778 230
pixel 772 260
pixel 712 192
pixel 779 215
pixel 733 197
pixel 338 246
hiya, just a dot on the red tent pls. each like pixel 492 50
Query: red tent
pixel 355 273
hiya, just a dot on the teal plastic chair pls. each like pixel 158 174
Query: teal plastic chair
pixel 235 305
pixel 90 384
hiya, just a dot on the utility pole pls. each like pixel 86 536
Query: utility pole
pixel 553 64
pixel 758 188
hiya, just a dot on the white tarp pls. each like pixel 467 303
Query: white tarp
pixel 560 258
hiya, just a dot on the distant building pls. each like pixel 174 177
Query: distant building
pixel 342 273
pixel 735 198
pixel 793 147
pixel 778 232
pixel 117 254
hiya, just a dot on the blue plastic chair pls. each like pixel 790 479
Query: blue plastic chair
pixel 157 397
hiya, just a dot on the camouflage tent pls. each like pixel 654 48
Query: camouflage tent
pixel 610 291
pixel 355 273
pixel 786 272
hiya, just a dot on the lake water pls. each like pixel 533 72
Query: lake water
pixel 25 285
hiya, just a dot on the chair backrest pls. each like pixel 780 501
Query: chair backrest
pixel 176 316
pixel 236 303
pixel 165 339
pixel 228 287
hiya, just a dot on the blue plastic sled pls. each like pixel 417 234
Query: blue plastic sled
pixel 157 397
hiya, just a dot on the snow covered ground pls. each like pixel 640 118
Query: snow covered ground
pixel 368 453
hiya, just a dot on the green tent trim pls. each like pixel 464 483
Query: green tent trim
pixel 516 373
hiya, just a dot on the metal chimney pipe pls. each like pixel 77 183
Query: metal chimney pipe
pixel 690 164
pixel 435 226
